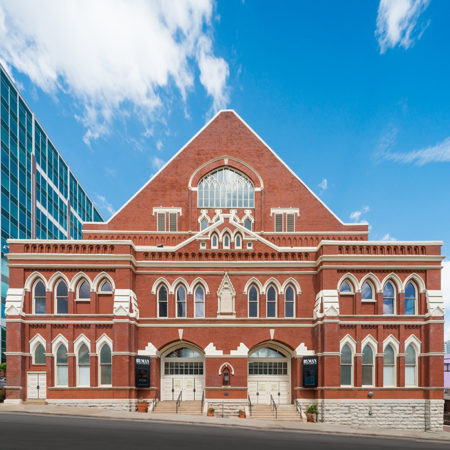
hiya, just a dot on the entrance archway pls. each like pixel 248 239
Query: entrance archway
pixel 269 374
pixel 182 369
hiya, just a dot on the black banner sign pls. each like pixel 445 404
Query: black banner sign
pixel 142 371
pixel 310 371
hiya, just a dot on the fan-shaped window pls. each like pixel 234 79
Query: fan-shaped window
pixel 181 301
pixel 184 352
pixel 266 352
pixel 389 366
pixel 345 288
pixel 267 361
pixel 199 302
pixel 253 302
pixel 39 298
pixel 62 368
pixel 105 365
pixel 84 292
pixel 238 241
pixel 388 298
pixel 289 302
pixel 162 301
pixel 106 287
pixel 226 241
pixel 203 223
pixel 225 188
pixel 248 224
pixel 410 366
pixel 410 299
pixel 214 241
pixel 84 366
pixel 367 291
pixel 62 302
pixel 271 302
pixel 346 365
pixel 39 355
pixel 367 366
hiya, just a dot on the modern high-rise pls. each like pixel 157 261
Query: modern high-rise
pixel 40 196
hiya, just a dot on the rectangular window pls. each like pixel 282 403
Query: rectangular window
pixel 278 223
pixel 161 221
pixel 172 222
pixel 388 375
pixel 290 223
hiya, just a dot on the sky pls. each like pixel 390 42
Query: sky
pixel 354 96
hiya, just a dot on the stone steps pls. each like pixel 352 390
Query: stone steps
pixel 169 407
pixel 284 413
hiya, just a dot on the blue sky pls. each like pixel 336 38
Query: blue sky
pixel 353 95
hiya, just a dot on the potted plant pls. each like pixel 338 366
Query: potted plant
pixel 142 405
pixel 312 411
pixel 241 414
pixel 210 412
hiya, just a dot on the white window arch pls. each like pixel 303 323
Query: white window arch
pixel 181 301
pixel 368 291
pixel 83 290
pixel 199 301
pixel 271 302
pixel 346 287
pixel 225 188
pixel 105 287
pixel 289 301
pixel 37 349
pixel 253 301
pixel 410 299
pixel 62 366
pixel 61 298
pixel 39 298
pixel 163 301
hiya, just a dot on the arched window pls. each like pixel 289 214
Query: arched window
pixel 248 224
pixel 410 366
pixel 199 302
pixel 62 302
pixel 367 366
pixel 238 241
pixel 388 298
pixel 203 224
pixel 253 302
pixel 225 188
pixel 271 302
pixel 39 355
pixel 106 287
pixel 84 366
pixel 289 302
pixel 226 240
pixel 367 292
pixel 389 366
pixel 162 301
pixel 62 367
pixel 84 291
pixel 39 298
pixel 214 241
pixel 181 301
pixel 346 288
pixel 346 366
pixel 410 299
pixel 105 365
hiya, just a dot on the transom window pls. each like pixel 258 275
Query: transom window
pixel 345 288
pixel 184 352
pixel 39 355
pixel 367 291
pixel 269 362
pixel 225 188
pixel 106 287
pixel 84 291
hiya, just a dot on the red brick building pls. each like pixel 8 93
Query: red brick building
pixel 228 271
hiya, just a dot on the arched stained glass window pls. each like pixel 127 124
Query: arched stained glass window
pixel 289 299
pixel 181 301
pixel 271 302
pixel 203 223
pixel 62 366
pixel 367 292
pixel 84 292
pixel 367 366
pixel 105 365
pixel 162 301
pixel 39 355
pixel 106 287
pixel 84 366
pixel 388 298
pixel 39 298
pixel 253 302
pixel 345 288
pixel 62 301
pixel 410 366
pixel 248 224
pixel 226 240
pixel 199 300
pixel 410 299
pixel 389 366
pixel 225 188
pixel 346 365
pixel 238 241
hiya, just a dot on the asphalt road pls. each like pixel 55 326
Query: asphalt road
pixel 26 431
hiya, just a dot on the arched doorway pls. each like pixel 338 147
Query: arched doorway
pixel 269 373
pixel 182 369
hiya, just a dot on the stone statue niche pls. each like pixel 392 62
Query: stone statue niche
pixel 226 299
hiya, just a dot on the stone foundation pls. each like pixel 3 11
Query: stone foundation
pixel 423 415
pixel 229 408
pixel 113 404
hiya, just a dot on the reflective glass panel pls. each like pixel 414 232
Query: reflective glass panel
pixel 266 352
pixel 366 291
pixel 84 290
pixel 345 288
pixel 106 287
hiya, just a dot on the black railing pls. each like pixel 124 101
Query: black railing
pixel 155 400
pixel 249 405
pixel 178 404
pixel 274 406
pixel 203 402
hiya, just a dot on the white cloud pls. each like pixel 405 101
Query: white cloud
pixel 157 163
pixel 436 153
pixel 103 204
pixel 323 185
pixel 388 237
pixel 355 215
pixel 159 145
pixel 397 21
pixel 114 57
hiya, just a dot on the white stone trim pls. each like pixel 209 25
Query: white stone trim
pixel 55 278
pixel 164 210
pixel 375 282
pixel 351 280
pixel 242 350
pixel 294 283
pixel 99 279
pixel 31 280
pixel 149 350
pixel 211 350
pixel 435 303
pixel 395 279
pixel 417 281
pixel 275 282
pixel 14 302
pixel 161 280
pixel 255 281
pixel 75 282
pixel 226 364
pixel 302 350
pixel 200 281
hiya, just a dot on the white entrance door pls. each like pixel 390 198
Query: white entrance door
pixel 192 387
pixel 36 385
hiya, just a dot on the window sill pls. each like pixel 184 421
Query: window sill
pixel 368 301
pixel 83 300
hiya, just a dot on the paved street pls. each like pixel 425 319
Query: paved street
pixel 22 431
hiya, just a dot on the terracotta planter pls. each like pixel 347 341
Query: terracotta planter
pixel 242 416
pixel 310 417
pixel 210 414
pixel 142 407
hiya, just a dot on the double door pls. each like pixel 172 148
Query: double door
pixel 36 385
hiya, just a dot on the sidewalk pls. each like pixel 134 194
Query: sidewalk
pixel 234 422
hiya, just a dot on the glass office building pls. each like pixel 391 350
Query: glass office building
pixel 40 196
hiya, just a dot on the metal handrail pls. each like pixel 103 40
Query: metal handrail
pixel 249 404
pixel 299 409
pixel 177 405
pixel 155 400
pixel 274 406
pixel 203 401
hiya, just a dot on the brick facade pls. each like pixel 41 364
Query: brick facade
pixel 314 258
